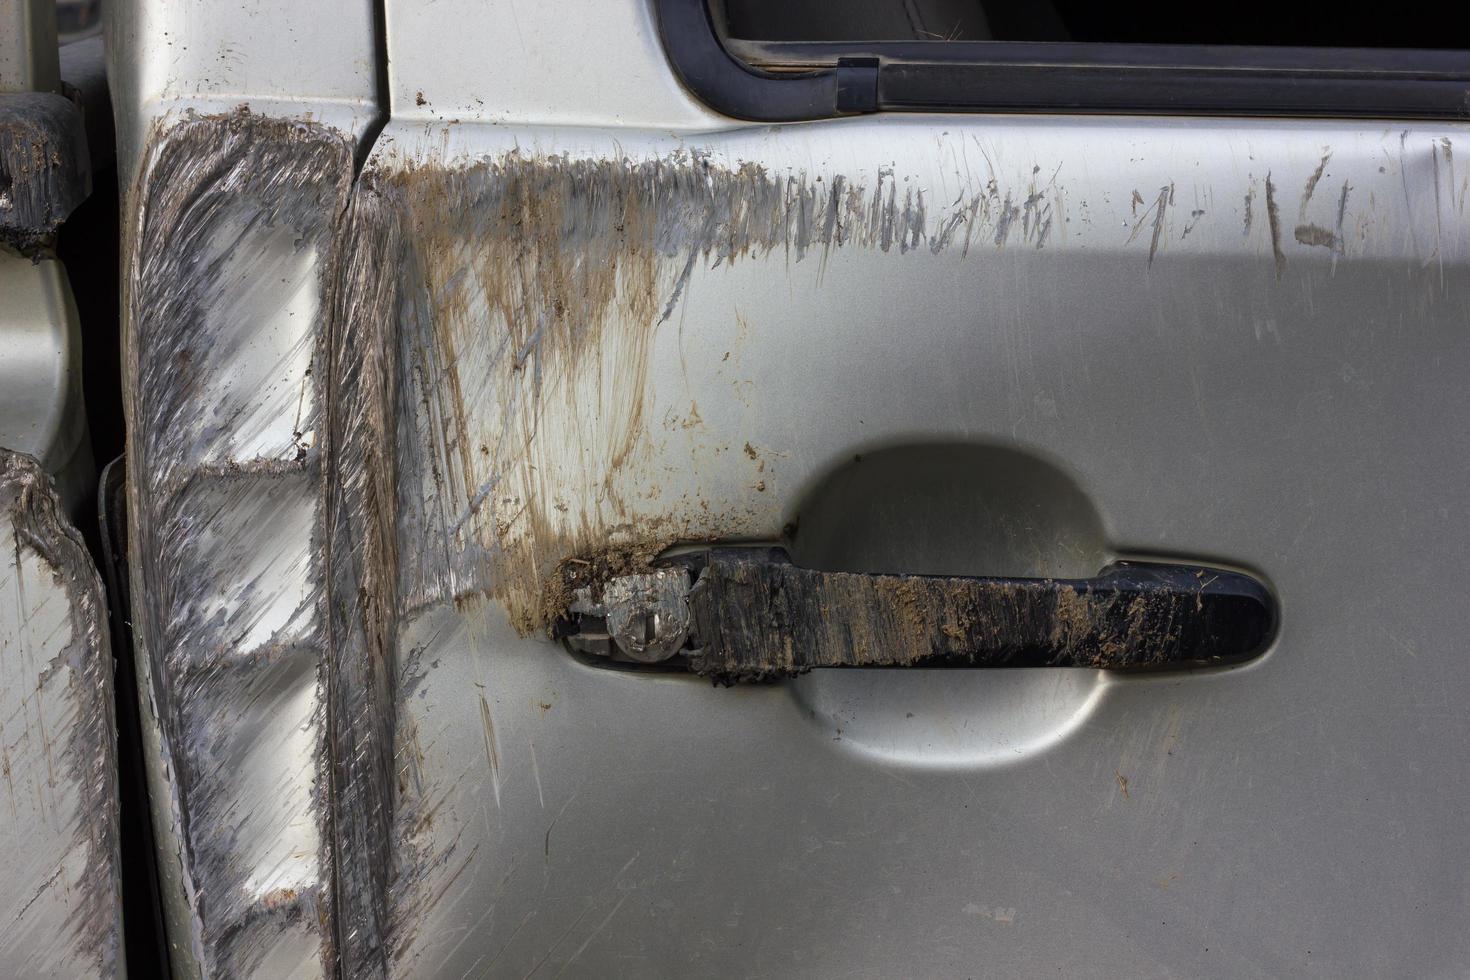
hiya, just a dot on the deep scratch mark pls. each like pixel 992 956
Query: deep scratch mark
pixel 70 925
pixel 1311 187
pixel 1008 214
pixel 1438 213
pixel 1160 209
pixel 1341 246
pixel 492 751
pixel 1273 217
pixel 591 936
pixel 546 848
pixel 536 774
pixel 1194 217
pixel 552 948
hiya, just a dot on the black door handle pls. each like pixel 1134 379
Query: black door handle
pixel 749 613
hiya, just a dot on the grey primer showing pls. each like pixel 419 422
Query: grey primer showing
pixel 62 903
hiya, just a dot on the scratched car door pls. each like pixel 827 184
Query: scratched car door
pixel 425 361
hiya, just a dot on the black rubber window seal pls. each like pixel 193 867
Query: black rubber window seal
pixel 791 81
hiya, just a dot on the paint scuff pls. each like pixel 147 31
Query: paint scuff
pixel 58 794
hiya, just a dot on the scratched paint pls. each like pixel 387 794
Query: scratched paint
pixel 58 794
pixel 44 173
pixel 225 294
pixel 361 407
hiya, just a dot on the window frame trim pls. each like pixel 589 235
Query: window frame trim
pixel 783 81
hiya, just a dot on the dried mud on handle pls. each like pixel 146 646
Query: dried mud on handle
pixel 753 615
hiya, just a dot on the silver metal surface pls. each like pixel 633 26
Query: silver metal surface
pixel 646 615
pixel 590 318
pixel 228 634
pixel 223 509
pixel 512 62
pixel 1296 415
pixel 41 407
pixel 28 46
pixel 61 904
pixel 295 60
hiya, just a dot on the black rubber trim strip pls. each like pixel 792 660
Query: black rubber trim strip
pixel 730 86
pixel 1389 62
pixel 1167 91
pixel 382 90
pixel 788 81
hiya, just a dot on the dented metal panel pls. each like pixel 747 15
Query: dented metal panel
pixel 227 298
pixel 374 423
pixel 581 350
pixel 237 128
pixel 62 902
pixel 610 344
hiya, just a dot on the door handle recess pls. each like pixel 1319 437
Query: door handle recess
pixel 750 614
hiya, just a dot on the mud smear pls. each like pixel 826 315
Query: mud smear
pixel 1316 235
pixel 532 291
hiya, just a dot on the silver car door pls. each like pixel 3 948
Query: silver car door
pixel 564 318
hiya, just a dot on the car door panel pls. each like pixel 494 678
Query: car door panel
pixel 960 345
pixel 1208 397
